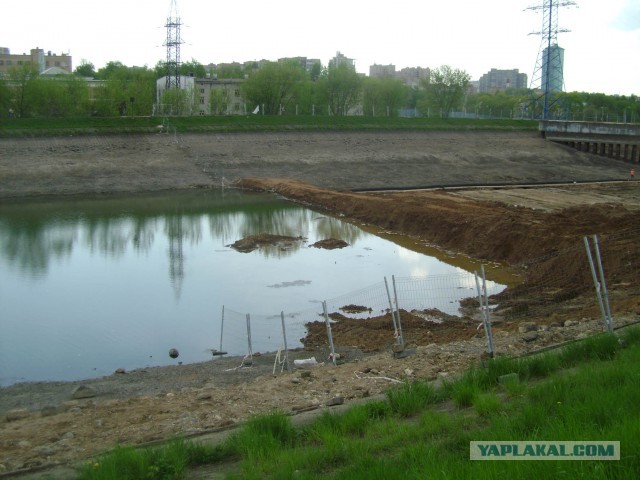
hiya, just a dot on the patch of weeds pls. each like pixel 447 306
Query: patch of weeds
pixel 410 398
pixel 540 366
pixel 262 435
pixel 487 404
pixel 514 387
pixel 600 347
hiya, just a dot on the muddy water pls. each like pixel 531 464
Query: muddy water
pixel 91 285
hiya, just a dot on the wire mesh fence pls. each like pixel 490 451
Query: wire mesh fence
pixel 561 287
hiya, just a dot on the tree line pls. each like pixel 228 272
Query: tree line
pixel 287 88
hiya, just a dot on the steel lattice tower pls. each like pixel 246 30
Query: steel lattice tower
pixel 173 42
pixel 548 74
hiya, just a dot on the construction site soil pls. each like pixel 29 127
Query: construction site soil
pixel 43 425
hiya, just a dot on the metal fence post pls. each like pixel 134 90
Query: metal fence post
pixel 596 283
pixel 487 311
pixel 483 314
pixel 329 335
pixel 221 328
pixel 603 282
pixel 393 315
pixel 250 354
pixel 395 294
pixel 284 337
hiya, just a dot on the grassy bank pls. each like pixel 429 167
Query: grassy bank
pixel 586 392
pixel 30 127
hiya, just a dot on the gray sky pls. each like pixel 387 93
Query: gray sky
pixel 601 51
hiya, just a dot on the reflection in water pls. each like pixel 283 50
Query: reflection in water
pixel 88 286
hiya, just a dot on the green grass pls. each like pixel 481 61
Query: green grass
pixel 586 392
pixel 27 127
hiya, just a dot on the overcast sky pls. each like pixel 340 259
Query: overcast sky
pixel 601 51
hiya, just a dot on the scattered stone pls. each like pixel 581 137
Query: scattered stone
pixel 530 337
pixel 527 327
pixel 49 411
pixel 17 414
pixel 406 353
pixel 571 323
pixel 409 372
pixel 335 401
pixel 45 450
pixel 83 391
pixel 120 371
pixel 204 396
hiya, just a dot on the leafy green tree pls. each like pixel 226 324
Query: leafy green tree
pixel 229 71
pixel 384 96
pixel 177 101
pixel 192 68
pixel 5 98
pixel 126 90
pixel 24 81
pixel 340 87
pixel 219 102
pixel 444 90
pixel 85 69
pixel 274 87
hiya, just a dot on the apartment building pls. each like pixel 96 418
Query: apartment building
pixel 37 58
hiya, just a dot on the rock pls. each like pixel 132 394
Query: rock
pixel 373 371
pixel 365 370
pixel 173 352
pixel 49 411
pixel 68 436
pixel 83 391
pixel 570 323
pixel 295 380
pixel 530 337
pixel 45 450
pixel 120 371
pixel 335 401
pixel 17 414
pixel 305 374
pixel 397 348
pixel 527 327
pixel 409 372
pixel 204 396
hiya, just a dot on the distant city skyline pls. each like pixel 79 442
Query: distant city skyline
pixel 600 50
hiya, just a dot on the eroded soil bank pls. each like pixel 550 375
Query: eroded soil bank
pixel 42 425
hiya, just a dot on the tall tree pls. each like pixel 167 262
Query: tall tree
pixel 85 69
pixel 274 87
pixel 384 96
pixel 444 90
pixel 341 88
pixel 193 68
pixel 5 99
pixel 24 81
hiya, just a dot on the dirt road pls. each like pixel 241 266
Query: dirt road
pixel 42 425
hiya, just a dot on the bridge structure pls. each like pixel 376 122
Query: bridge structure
pixel 615 140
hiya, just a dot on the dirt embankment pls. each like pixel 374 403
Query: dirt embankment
pixel 42 425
